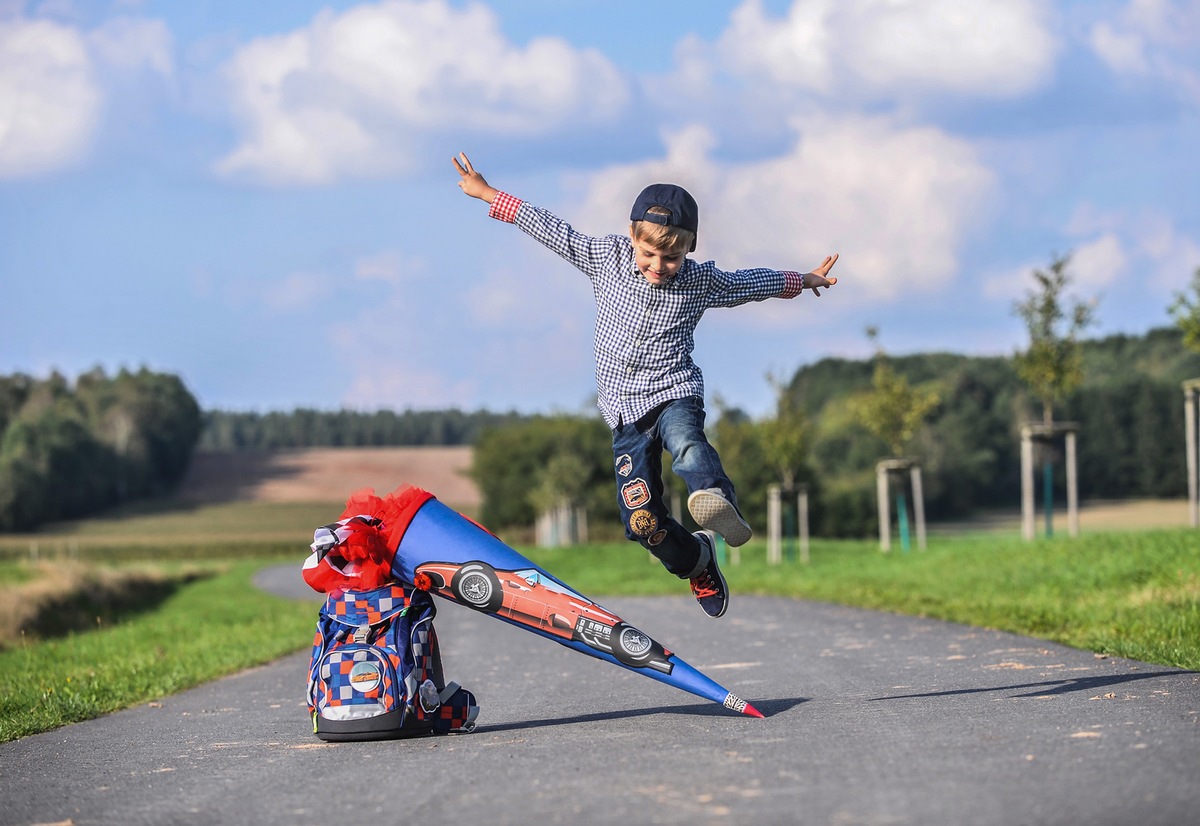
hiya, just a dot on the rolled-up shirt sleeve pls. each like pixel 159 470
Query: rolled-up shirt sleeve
pixel 504 208
pixel 793 284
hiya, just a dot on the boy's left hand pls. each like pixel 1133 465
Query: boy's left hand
pixel 820 278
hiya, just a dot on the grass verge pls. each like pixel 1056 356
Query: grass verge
pixel 205 629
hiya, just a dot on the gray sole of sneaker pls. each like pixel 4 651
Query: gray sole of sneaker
pixel 715 513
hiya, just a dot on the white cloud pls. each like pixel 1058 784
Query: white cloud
pixel 1155 38
pixel 52 87
pixel 131 43
pixel 49 99
pixel 900 48
pixel 390 267
pixel 297 291
pixel 1099 262
pixel 1009 285
pixel 798 50
pixel 1144 249
pixel 353 93
pixel 1124 52
pixel 895 202
pixel 398 385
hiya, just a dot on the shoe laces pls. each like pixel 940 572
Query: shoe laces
pixel 705 586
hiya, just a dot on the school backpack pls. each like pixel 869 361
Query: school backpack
pixel 376 671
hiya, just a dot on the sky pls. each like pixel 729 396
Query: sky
pixel 259 197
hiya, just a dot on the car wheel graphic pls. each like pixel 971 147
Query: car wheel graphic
pixel 476 586
pixel 631 646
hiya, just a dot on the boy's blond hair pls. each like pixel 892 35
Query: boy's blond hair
pixel 668 239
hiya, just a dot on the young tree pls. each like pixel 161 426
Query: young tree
pixel 892 410
pixel 1053 364
pixel 1185 310
pixel 785 437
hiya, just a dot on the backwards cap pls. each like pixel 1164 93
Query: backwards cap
pixel 684 213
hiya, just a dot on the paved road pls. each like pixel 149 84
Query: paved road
pixel 870 719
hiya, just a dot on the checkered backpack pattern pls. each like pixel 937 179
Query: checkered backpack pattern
pixel 376 672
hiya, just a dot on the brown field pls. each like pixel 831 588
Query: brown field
pixel 1094 515
pixel 330 475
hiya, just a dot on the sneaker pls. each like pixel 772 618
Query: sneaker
pixel 713 512
pixel 709 585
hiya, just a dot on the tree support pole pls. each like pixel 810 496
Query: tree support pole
pixel 885 520
pixel 1072 488
pixel 1027 518
pixel 774 525
pixel 802 514
pixel 1193 460
pixel 918 505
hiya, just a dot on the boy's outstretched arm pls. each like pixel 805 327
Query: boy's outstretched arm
pixel 820 278
pixel 471 181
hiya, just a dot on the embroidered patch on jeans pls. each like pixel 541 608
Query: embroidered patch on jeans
pixel 642 522
pixel 624 465
pixel 635 493
pixel 657 538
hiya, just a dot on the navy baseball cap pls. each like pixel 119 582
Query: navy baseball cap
pixel 675 199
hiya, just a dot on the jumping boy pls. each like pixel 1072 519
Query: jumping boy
pixel 649 298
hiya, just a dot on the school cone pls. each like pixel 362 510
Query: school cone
pixel 455 558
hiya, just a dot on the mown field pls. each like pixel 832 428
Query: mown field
pixel 134 607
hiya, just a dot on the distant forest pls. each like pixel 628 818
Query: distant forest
pixel 234 431
pixel 1130 440
pixel 67 450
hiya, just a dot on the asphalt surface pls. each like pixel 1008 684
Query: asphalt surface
pixel 870 718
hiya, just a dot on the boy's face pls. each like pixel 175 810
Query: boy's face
pixel 656 265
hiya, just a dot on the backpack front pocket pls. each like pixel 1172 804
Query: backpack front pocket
pixel 356 681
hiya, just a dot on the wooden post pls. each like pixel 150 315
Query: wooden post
pixel 1027 482
pixel 802 518
pixel 1045 432
pixel 774 525
pixel 883 469
pixel 918 505
pixel 1072 488
pixel 1190 388
pixel 885 520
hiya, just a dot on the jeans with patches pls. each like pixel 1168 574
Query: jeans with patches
pixel 676 426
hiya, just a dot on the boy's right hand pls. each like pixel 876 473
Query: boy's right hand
pixel 472 182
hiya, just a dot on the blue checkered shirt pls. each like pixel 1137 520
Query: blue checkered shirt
pixel 644 333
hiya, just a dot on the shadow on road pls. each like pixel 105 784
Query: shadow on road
pixel 1045 688
pixel 768 708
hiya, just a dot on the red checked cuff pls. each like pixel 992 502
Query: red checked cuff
pixel 504 208
pixel 793 284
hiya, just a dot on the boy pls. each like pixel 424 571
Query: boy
pixel 649 298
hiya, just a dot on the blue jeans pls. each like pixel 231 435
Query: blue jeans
pixel 676 426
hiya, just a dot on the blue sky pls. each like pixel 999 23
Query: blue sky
pixel 259 196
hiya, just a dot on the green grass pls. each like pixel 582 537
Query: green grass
pixel 1130 594
pixel 209 628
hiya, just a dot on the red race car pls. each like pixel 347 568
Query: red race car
pixel 531 598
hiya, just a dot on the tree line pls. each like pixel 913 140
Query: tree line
pixel 226 431
pixel 1128 407
pixel 71 449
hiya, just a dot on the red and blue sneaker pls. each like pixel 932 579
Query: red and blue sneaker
pixel 709 585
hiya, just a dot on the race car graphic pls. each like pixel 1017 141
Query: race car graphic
pixel 531 598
